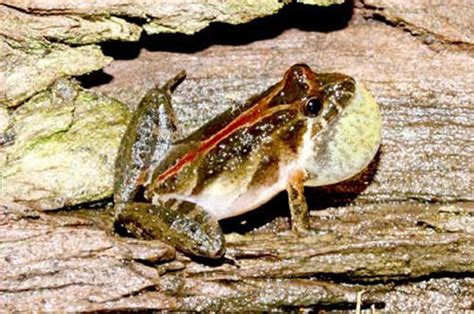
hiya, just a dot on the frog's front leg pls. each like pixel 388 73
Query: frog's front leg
pixel 182 224
pixel 297 202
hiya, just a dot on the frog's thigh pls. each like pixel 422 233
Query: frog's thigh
pixel 149 135
pixel 297 202
pixel 184 225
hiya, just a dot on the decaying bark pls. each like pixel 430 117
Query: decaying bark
pixel 65 141
pixel 400 255
pixel 402 231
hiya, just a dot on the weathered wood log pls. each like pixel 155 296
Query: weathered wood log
pixel 35 35
pixel 402 231
pixel 64 263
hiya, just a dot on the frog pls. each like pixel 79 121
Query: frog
pixel 308 129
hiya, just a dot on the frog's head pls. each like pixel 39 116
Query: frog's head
pixel 343 124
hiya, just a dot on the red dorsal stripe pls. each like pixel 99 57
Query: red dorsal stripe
pixel 245 119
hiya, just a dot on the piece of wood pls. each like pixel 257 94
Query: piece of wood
pixel 415 57
pixel 424 88
pixel 66 264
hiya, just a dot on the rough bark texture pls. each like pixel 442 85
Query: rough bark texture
pixel 401 255
pixel 65 141
pixel 402 232
pixel 33 34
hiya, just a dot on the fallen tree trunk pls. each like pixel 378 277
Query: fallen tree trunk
pixel 398 254
pixel 401 232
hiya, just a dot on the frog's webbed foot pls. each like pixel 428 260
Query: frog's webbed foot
pixel 305 233
pixel 182 224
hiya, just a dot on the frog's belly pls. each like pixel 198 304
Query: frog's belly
pixel 227 198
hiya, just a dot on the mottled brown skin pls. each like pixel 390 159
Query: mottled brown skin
pixel 149 135
pixel 248 148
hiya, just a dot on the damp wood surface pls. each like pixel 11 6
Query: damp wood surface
pixel 402 231
pixel 400 255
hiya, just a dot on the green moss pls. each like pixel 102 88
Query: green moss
pixel 65 147
pixel 33 67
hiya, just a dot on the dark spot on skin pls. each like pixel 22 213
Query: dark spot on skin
pixel 267 171
pixel 294 135
pixel 348 85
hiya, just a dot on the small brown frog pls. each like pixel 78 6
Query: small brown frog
pixel 309 129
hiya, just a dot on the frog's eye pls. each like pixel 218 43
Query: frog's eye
pixel 313 106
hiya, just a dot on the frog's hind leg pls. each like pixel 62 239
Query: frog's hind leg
pixel 173 82
pixel 182 224
pixel 149 134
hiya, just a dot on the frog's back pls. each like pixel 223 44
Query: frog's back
pixel 234 163
pixel 308 123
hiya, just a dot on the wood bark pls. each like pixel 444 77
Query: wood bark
pixel 400 255
pixel 402 232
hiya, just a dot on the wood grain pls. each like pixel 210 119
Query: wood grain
pixel 402 231
pixel 67 264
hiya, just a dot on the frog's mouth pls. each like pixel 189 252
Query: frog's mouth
pixel 347 146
